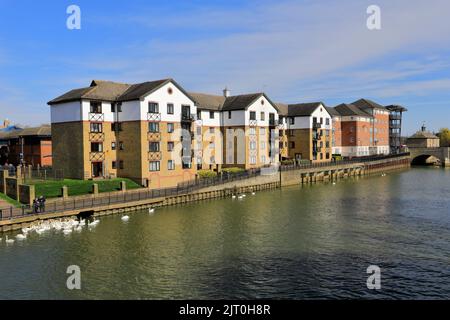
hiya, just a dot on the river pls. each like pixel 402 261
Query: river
pixel 310 242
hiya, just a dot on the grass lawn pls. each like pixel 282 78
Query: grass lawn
pixel 9 200
pixel 52 189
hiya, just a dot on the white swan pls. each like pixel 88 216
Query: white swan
pixel 253 193
pixel 67 231
pixel 233 196
pixel 21 237
pixel 125 218
pixel 9 241
pixel 151 210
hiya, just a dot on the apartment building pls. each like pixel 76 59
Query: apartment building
pixel 379 131
pixel 113 129
pixel 247 124
pixel 309 128
pixel 355 131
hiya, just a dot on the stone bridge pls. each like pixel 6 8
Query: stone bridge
pixel 420 155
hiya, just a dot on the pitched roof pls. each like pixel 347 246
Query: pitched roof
pixel 333 112
pixel 366 103
pixel 346 109
pixel 42 131
pixel 423 135
pixel 240 102
pixel 208 101
pixel 283 108
pixel 137 91
pixel 98 90
pixel 303 109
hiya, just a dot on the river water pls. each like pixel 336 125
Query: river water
pixel 310 242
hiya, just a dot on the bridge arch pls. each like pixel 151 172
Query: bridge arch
pixel 425 159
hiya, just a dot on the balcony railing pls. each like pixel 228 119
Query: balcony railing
pixel 96 117
pixel 96 156
pixel 273 122
pixel 317 125
pixel 188 118
pixel 253 123
pixel 154 116
pixel 154 156
pixel 395 126
pixel 395 117
pixel 96 136
pixel 154 136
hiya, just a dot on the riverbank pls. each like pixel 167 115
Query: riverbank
pixel 269 180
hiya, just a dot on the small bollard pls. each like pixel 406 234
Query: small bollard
pixel 123 186
pixel 95 188
pixel 65 192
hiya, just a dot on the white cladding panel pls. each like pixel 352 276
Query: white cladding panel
pixel 207 121
pixel 65 112
pixel 162 97
pixel 237 118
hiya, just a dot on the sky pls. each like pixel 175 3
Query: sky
pixel 295 51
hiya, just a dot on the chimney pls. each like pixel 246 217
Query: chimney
pixel 6 123
pixel 424 128
pixel 226 92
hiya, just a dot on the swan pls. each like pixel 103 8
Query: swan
pixel 67 231
pixel 233 196
pixel 125 218
pixel 253 193
pixel 21 237
pixel 151 210
pixel 9 241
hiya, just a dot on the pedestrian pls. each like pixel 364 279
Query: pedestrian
pixel 42 203
pixel 35 205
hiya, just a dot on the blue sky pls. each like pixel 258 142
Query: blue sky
pixel 295 51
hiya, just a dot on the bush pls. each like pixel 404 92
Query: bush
pixel 287 162
pixel 337 157
pixel 233 170
pixel 206 174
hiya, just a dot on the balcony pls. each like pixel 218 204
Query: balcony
pixel 96 156
pixel 96 136
pixel 96 117
pixel 395 126
pixel 317 149
pixel 316 136
pixel 395 117
pixel 253 123
pixel 154 136
pixel 317 125
pixel 273 122
pixel 153 116
pixel 154 156
pixel 187 118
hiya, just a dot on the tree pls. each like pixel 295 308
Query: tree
pixel 444 135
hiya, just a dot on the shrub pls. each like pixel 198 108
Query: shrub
pixel 233 170
pixel 206 174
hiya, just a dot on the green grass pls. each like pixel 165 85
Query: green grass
pixel 9 200
pixel 52 189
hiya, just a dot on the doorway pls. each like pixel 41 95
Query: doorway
pixel 97 169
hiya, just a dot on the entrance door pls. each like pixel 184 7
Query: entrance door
pixel 97 169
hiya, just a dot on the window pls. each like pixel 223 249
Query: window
pixel 119 107
pixel 327 121
pixel 170 127
pixel 252 131
pixel 113 107
pixel 229 114
pixel 252 160
pixel 292 145
pixel 263 159
pixel 114 165
pixel 96 127
pixel 113 145
pixel 212 130
pixel 121 164
pixel 116 126
pixel 212 160
pixel 321 156
pixel 199 115
pixel 263 145
pixel 154 146
pixel 211 114
pixel 153 127
pixel 263 116
pixel 262 131
pixel 96 147
pixel 252 115
pixel 212 145
pixel 153 107
pixel 170 108
pixel 170 165
pixel 96 107
pixel 170 146
pixel 252 145
pixel 120 145
pixel 291 120
pixel 154 165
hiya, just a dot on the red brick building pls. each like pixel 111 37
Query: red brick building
pixel 29 146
